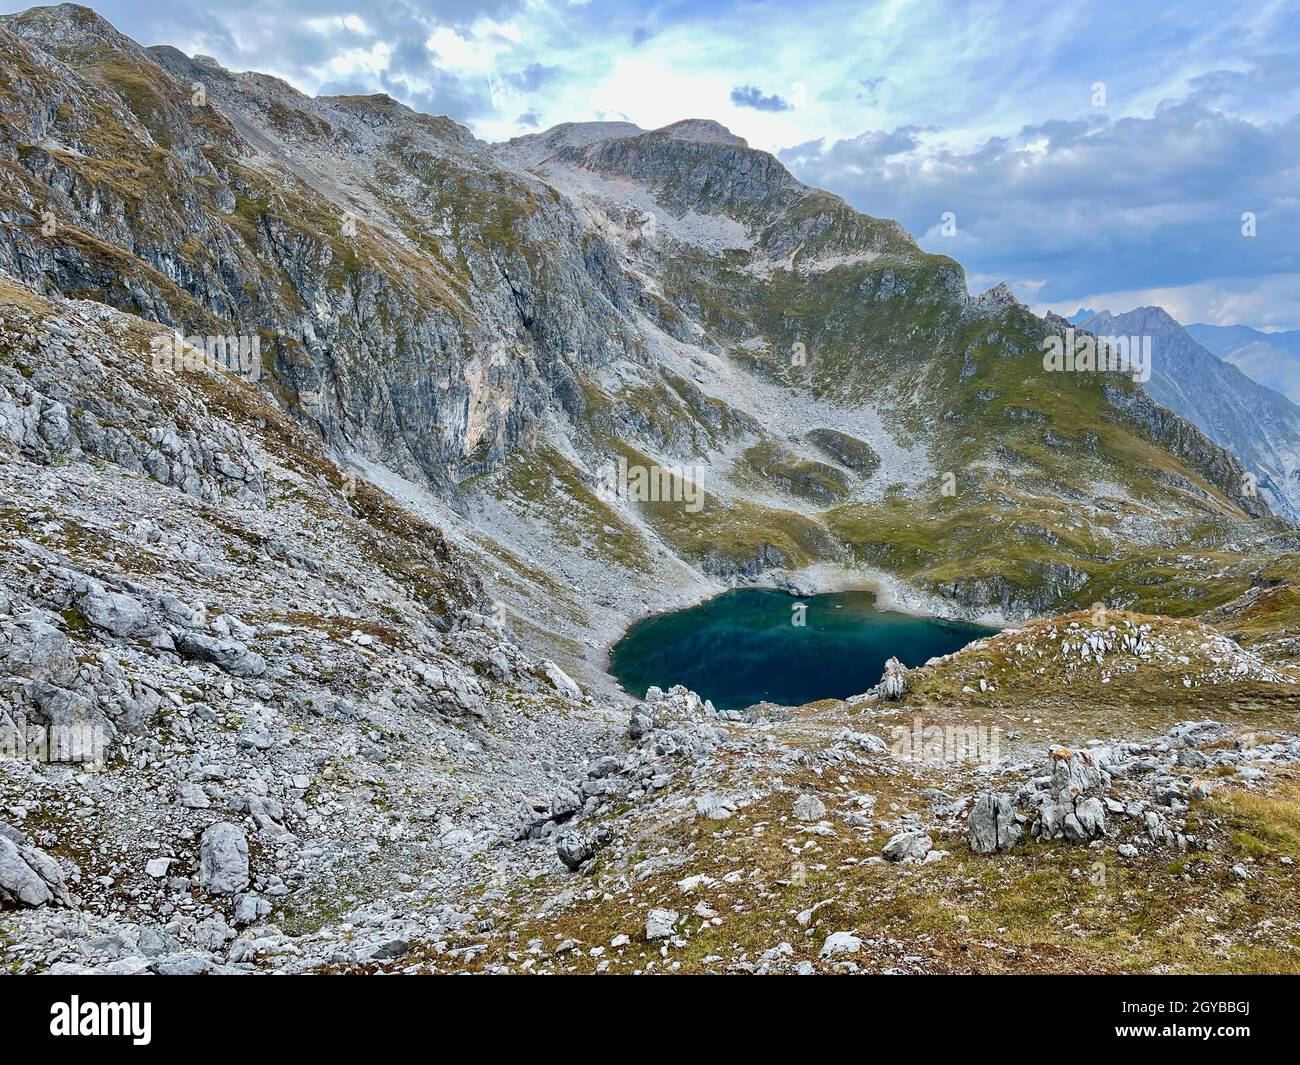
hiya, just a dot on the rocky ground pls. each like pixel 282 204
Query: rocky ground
pixel 303 703
pixel 817 841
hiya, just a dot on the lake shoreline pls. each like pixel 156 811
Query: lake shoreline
pixel 823 578
pixel 763 644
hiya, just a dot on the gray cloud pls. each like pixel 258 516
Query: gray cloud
pixel 532 77
pixel 749 96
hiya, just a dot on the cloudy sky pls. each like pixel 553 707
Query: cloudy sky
pixel 1094 154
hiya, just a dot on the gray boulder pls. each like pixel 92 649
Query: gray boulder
pixel 116 614
pixel 213 933
pixel 565 803
pixel 31 647
pixel 1086 821
pixel 894 683
pixel 223 859
pixel 29 876
pixel 639 724
pixel 230 655
pixel 390 950
pixel 456 692
pixel 1075 775
pixel 714 807
pixel 574 849
pixel 659 924
pixel 840 943
pixel 192 796
pixel 76 730
pixel 678 707
pixel 993 824
pixel 560 680
pixel 249 909
pixel 809 808
pixel 908 847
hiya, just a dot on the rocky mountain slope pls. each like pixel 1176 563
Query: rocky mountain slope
pixel 327 632
pixel 283 690
pixel 1257 424
pixel 489 330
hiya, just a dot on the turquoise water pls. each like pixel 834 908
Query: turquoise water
pixel 742 647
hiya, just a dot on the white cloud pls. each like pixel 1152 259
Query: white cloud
pixel 475 51
pixel 337 23
pixel 354 61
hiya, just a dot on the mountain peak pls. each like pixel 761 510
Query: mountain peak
pixel 1157 314
pixel 531 148
pixel 704 131
pixel 1150 319
pixel 66 25
pixel 1000 295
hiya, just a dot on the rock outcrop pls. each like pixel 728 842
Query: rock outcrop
pixel 893 685
pixel 29 876
pixel 1073 808
pixel 994 824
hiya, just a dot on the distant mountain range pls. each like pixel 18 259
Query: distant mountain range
pixel 1272 359
pixel 1258 424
